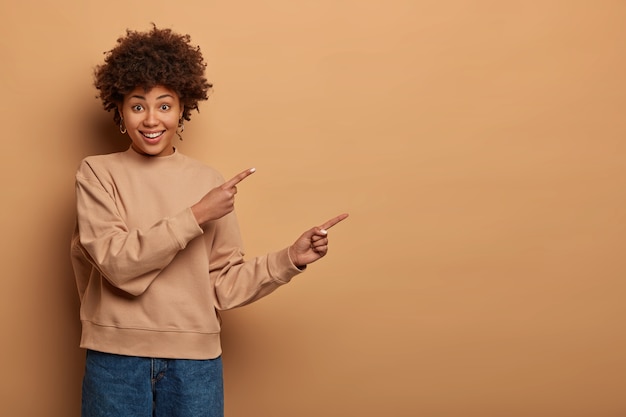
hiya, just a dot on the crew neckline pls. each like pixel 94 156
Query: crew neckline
pixel 133 151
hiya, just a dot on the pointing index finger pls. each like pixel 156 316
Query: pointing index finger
pixel 330 223
pixel 238 178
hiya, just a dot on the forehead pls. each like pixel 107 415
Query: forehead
pixel 150 94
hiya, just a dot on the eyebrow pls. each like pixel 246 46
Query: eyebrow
pixel 158 98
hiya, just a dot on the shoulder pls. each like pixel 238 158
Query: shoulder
pixel 91 165
pixel 101 159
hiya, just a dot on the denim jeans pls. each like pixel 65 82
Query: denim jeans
pixel 130 386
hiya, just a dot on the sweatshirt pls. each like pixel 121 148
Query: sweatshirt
pixel 151 280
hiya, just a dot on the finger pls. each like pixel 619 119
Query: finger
pixel 238 178
pixel 330 223
pixel 318 236
pixel 320 250
pixel 319 241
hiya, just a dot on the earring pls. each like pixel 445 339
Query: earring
pixel 122 127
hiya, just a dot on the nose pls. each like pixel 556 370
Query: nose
pixel 150 119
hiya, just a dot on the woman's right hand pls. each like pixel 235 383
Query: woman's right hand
pixel 220 200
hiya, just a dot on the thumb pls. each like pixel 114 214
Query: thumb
pixel 315 231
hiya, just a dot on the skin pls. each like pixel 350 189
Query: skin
pixel 313 244
pixel 151 119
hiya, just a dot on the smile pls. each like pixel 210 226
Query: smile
pixel 152 135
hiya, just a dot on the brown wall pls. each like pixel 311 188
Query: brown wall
pixel 478 145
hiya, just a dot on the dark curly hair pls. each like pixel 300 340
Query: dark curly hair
pixel 148 59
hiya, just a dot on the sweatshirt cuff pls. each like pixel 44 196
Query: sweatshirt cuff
pixel 185 228
pixel 281 267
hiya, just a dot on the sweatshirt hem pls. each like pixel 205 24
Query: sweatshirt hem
pixel 173 344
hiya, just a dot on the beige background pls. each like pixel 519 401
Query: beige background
pixel 478 146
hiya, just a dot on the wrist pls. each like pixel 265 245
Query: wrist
pixel 197 213
pixel 293 260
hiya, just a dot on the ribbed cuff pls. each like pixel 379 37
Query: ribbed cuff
pixel 282 269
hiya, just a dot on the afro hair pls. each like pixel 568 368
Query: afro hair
pixel 159 57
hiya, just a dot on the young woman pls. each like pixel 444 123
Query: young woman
pixel 157 250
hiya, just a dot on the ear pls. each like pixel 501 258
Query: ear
pixel 119 111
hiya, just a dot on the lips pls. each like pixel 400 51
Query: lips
pixel 152 137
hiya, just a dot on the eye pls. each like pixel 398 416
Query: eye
pixel 165 107
pixel 137 107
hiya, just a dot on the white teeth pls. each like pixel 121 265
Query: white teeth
pixel 153 135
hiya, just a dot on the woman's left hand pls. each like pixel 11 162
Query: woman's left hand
pixel 313 244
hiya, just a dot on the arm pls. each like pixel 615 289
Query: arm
pixel 238 283
pixel 130 259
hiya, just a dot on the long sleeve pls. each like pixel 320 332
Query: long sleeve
pixel 129 258
pixel 150 279
pixel 238 282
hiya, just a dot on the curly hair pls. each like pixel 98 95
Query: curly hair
pixel 148 59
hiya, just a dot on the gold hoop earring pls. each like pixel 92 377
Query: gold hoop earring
pixel 122 127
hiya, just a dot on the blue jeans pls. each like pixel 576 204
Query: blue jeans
pixel 130 386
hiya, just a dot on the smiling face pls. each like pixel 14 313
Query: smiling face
pixel 151 119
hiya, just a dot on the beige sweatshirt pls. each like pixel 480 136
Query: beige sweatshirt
pixel 150 279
